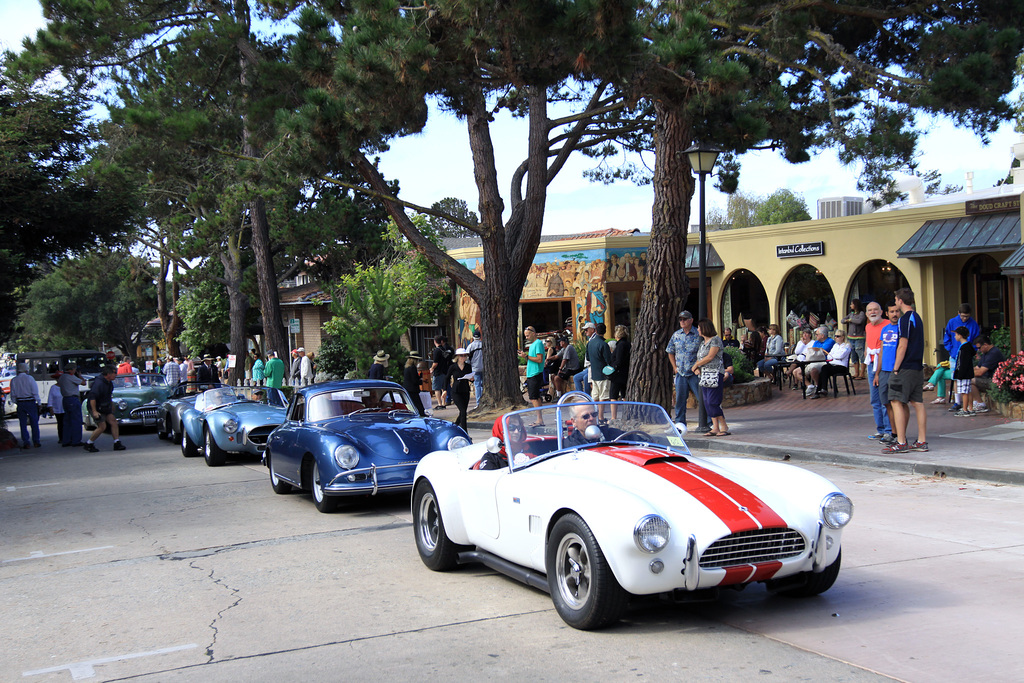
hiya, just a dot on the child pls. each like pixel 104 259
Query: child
pixel 963 371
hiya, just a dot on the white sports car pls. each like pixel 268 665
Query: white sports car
pixel 594 512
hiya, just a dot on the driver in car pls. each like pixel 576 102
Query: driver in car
pixel 585 415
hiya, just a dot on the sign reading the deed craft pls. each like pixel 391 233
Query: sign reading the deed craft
pixel 802 249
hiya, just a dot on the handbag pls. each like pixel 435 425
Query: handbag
pixel 708 377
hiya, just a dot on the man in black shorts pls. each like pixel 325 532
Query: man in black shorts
pixel 101 407
pixel 907 379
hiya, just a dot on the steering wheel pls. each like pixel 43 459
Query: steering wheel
pixel 644 436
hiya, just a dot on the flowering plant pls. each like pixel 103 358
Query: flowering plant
pixel 1009 376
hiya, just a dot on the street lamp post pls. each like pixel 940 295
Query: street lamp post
pixel 702 161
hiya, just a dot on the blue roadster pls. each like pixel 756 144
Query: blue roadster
pixel 230 420
pixel 357 437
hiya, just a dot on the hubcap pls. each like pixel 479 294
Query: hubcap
pixel 429 522
pixel 318 492
pixel 573 570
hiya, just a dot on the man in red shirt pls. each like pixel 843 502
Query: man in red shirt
pixel 873 352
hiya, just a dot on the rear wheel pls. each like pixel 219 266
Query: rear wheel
pixel 323 502
pixel 817 583
pixel 215 456
pixel 188 449
pixel 583 588
pixel 436 550
pixel 279 485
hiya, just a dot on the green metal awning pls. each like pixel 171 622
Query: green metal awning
pixel 714 261
pixel 1014 265
pixel 966 235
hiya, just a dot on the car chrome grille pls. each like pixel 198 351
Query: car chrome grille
pixel 259 435
pixel 750 547
pixel 145 412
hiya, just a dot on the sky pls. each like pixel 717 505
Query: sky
pixel 437 163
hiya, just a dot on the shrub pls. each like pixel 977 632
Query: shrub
pixel 743 368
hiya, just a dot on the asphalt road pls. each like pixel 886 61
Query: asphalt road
pixel 144 565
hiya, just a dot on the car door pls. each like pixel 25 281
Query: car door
pixel 286 452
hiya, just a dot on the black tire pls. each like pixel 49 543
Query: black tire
pixel 436 550
pixel 323 502
pixel 214 455
pixel 583 588
pixel 188 448
pixel 817 583
pixel 279 485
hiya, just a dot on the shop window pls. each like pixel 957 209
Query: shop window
pixel 877 281
pixel 808 296
pixel 985 288
pixel 744 298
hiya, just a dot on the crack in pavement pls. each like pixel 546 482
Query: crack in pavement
pixel 220 614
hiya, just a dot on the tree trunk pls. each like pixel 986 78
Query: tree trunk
pixel 266 280
pixel 666 286
pixel 170 323
pixel 238 306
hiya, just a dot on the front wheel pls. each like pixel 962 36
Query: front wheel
pixel 436 550
pixel 215 456
pixel 188 449
pixel 817 583
pixel 323 502
pixel 279 485
pixel 583 588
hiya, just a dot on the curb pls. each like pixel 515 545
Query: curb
pixel 790 453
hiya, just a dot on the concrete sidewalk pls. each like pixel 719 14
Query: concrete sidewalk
pixel 988 447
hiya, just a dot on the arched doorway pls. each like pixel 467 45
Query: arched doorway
pixel 985 288
pixel 877 281
pixel 744 296
pixel 808 296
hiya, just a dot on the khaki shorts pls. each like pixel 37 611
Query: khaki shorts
pixel 602 389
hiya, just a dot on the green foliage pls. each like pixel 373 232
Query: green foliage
pixel 458 209
pixel 334 358
pixel 743 369
pixel 1002 339
pixel 781 206
pixel 204 313
pixel 106 297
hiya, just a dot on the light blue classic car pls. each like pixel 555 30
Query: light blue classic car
pixel 350 438
pixel 230 420
pixel 168 421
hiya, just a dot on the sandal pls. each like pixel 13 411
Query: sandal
pixel 712 434
pixel 938 401
pixel 724 433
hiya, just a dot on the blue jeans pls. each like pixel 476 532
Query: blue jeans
pixel 882 425
pixel 689 384
pixel 580 380
pixel 478 385
pixel 28 414
pixel 72 421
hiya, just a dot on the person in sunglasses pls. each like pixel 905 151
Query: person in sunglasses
pixel 515 442
pixel 584 415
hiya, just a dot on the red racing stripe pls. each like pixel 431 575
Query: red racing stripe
pixel 737 507
pixel 750 573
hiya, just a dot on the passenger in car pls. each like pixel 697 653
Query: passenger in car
pixel 516 443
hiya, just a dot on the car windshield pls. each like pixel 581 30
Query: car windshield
pixel 532 434
pixel 222 396
pixel 363 400
pixel 90 363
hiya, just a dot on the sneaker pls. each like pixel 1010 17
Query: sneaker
pixel 91 448
pixel 877 436
pixel 919 446
pixel 118 446
pixel 896 448
pixel 888 438
pixel 964 413
pixel 810 389
pixel 953 408
pixel 980 408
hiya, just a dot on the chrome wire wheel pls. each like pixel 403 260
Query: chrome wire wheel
pixel 573 571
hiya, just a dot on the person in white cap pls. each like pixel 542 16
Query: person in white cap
pixel 459 376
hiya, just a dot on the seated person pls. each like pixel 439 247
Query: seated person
pixel 516 443
pixel 838 357
pixel 259 395
pixel 989 358
pixel 584 415
pixel 799 354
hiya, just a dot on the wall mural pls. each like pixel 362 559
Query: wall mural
pixel 580 276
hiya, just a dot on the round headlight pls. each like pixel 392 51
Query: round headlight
pixel 230 426
pixel 457 442
pixel 346 456
pixel 836 510
pixel 122 404
pixel 651 533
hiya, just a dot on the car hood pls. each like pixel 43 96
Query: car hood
pixel 141 394
pixel 740 496
pixel 394 438
pixel 251 413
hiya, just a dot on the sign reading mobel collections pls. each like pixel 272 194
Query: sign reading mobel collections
pixel 799 250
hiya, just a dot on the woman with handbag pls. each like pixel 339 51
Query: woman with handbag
pixel 709 367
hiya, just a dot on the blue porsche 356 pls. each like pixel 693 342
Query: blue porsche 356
pixel 356 437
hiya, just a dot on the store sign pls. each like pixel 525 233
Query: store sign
pixel 798 250
pixel 293 326
pixel 995 205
